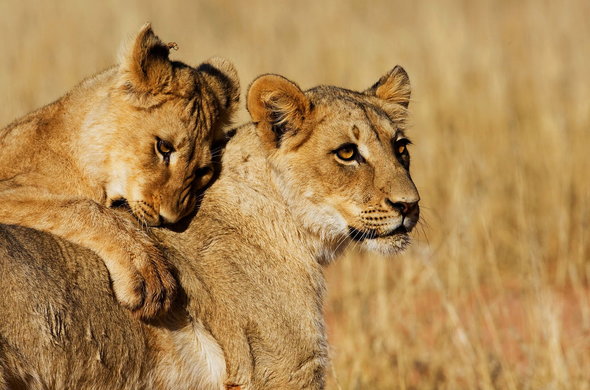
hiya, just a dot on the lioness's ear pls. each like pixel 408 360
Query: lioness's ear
pixel 222 79
pixel 144 65
pixel 393 88
pixel 278 107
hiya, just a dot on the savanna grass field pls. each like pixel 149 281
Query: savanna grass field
pixel 494 292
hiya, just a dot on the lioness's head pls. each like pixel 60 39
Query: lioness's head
pixel 341 157
pixel 163 117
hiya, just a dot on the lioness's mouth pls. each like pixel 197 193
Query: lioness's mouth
pixel 370 234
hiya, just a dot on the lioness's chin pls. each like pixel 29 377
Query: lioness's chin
pixel 388 245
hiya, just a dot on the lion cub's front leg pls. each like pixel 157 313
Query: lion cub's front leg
pixel 140 275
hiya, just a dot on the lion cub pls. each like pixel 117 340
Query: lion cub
pixel 138 133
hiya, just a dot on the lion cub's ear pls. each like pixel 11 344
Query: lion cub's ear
pixel 393 89
pixel 222 77
pixel 278 107
pixel 144 64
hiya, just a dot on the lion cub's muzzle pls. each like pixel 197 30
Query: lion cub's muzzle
pixel 144 212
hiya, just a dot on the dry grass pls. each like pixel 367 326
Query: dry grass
pixel 494 292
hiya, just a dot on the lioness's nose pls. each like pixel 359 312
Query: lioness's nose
pixel 404 208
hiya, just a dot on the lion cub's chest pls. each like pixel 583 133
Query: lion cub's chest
pixel 188 358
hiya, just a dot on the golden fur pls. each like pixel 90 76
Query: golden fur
pixel 138 133
pixel 249 316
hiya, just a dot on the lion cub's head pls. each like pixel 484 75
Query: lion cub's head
pixel 340 157
pixel 158 124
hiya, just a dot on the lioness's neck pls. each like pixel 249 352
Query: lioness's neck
pixel 251 272
pixel 248 197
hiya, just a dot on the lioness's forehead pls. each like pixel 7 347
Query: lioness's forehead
pixel 354 111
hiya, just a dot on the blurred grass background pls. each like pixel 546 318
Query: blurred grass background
pixel 494 292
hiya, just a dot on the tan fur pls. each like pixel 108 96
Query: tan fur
pixel 249 263
pixel 64 164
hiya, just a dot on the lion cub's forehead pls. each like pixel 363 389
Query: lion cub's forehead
pixel 176 121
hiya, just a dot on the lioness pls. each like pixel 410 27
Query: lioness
pixel 139 133
pixel 313 170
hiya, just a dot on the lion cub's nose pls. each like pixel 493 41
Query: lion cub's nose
pixel 404 208
pixel 169 219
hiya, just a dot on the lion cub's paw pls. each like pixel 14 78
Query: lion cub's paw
pixel 159 286
pixel 145 284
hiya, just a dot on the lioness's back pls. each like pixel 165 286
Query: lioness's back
pixel 53 296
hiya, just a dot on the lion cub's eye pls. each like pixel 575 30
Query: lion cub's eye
pixel 401 149
pixel 348 152
pixel 165 148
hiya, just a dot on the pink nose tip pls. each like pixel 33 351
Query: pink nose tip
pixel 404 208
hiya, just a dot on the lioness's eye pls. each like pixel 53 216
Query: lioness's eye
pixel 401 146
pixel 347 152
pixel 165 148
